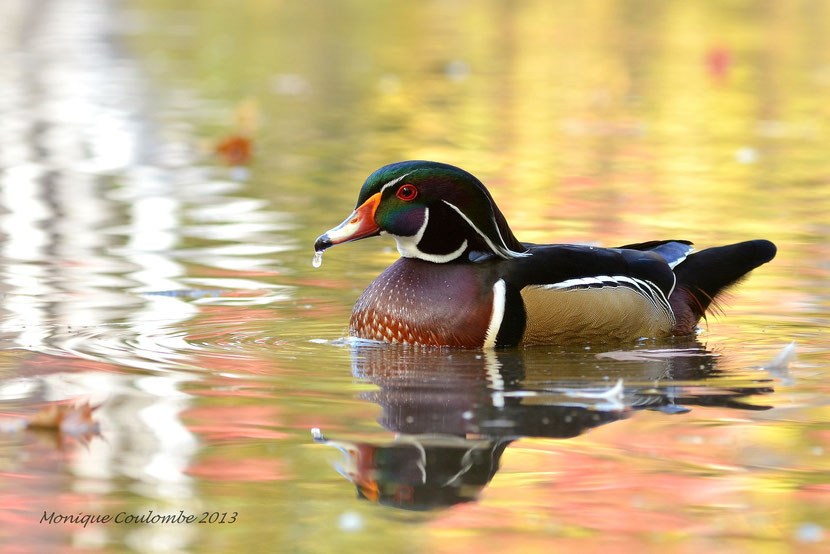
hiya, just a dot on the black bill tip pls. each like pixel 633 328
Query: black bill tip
pixel 322 242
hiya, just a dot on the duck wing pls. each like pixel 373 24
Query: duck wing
pixel 673 251
pixel 570 265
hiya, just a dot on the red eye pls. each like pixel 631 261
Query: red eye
pixel 407 193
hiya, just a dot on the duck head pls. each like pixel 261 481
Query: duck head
pixel 435 212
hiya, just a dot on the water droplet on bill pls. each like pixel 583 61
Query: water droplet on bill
pixel 318 259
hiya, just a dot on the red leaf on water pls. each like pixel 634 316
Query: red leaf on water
pixel 235 149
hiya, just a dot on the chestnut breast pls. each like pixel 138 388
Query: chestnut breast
pixel 419 302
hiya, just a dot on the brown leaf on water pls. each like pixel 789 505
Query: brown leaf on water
pixel 235 149
pixel 75 421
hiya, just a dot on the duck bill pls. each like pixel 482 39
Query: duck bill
pixel 359 225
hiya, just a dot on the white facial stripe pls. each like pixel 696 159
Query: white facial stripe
pixel 394 182
pixel 502 250
pixel 420 234
pixel 497 314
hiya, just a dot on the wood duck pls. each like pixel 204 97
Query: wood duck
pixel 464 280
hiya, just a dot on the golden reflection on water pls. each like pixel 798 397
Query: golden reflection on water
pixel 140 275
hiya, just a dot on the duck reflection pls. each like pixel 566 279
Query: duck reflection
pixel 455 412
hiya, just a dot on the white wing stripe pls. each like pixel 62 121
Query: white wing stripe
pixel 643 287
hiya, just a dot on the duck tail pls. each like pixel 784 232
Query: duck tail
pixel 702 276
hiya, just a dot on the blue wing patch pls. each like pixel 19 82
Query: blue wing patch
pixel 673 252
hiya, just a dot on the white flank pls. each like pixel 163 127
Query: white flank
pixel 497 315
pixel 502 250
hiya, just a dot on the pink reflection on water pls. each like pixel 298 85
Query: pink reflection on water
pixel 718 62
pixel 217 423
pixel 221 468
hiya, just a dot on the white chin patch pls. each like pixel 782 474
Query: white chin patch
pixel 408 246
pixel 409 249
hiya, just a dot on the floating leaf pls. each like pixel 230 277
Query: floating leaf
pixel 781 362
pixel 75 421
pixel 780 365
pixel 235 149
